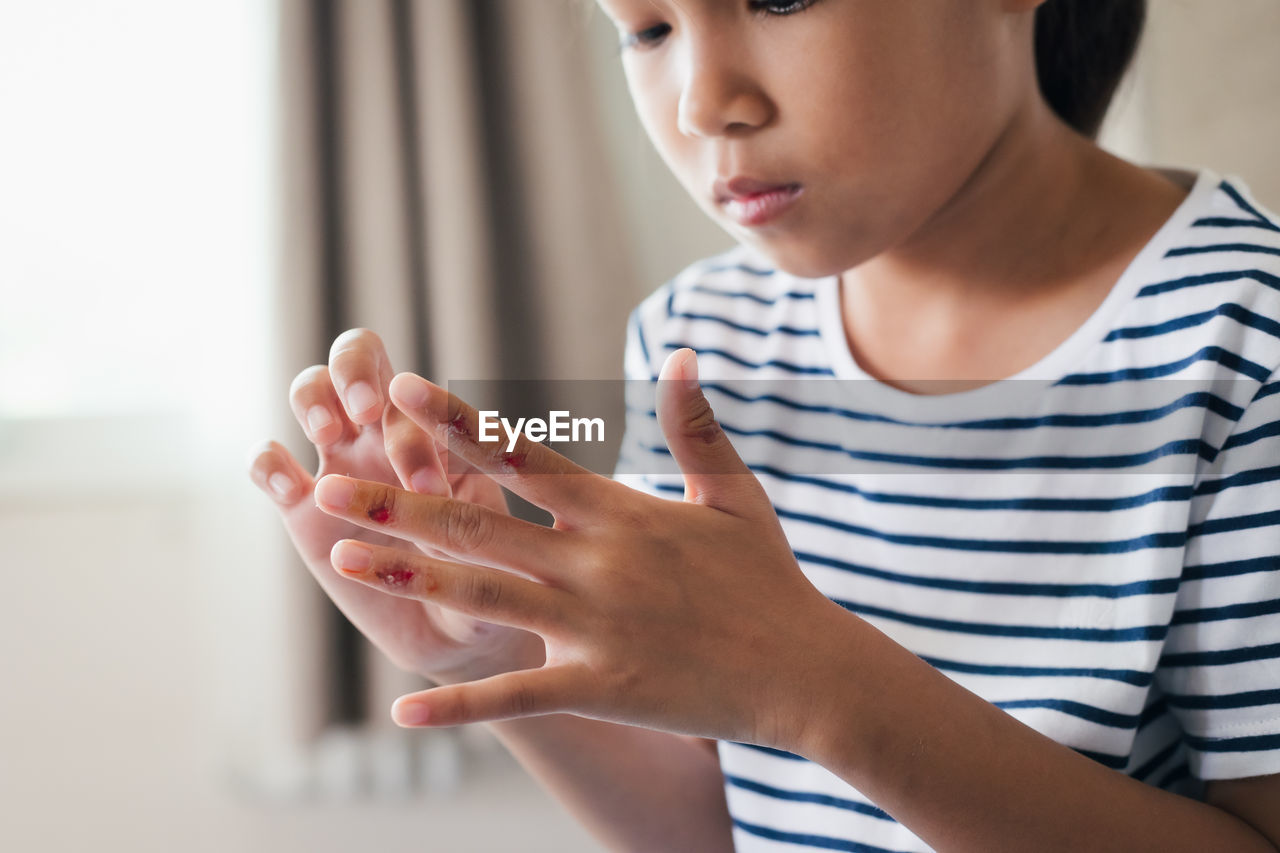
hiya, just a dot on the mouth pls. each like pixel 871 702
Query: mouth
pixel 754 203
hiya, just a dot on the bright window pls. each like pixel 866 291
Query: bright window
pixel 135 202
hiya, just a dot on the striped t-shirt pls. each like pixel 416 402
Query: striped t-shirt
pixel 1092 545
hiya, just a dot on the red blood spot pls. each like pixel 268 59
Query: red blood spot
pixel 515 460
pixel 380 514
pixel 396 577
pixel 458 426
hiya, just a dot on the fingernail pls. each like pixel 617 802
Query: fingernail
pixel 282 484
pixel 335 492
pixel 318 418
pixel 410 714
pixel 690 371
pixel 352 557
pixel 425 482
pixel 361 398
pixel 412 390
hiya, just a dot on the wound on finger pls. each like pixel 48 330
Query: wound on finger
pixel 395 578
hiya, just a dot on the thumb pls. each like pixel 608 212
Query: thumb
pixel 714 473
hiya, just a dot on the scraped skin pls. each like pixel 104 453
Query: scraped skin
pixel 344 409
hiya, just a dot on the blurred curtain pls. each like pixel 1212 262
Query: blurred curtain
pixel 443 183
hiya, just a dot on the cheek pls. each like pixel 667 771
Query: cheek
pixel 657 104
pixel 895 85
pixel 893 125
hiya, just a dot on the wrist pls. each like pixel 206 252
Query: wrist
pixel 830 710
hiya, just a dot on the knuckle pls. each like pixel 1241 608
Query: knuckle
pixel 466 526
pixel 385 496
pixel 594 558
pixel 379 502
pixel 404 445
pixel 522 700
pixel 701 425
pixel 458 707
pixel 401 564
pixel 627 681
pixel 627 509
pixel 483 591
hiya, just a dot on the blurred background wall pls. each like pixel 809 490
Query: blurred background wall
pixel 164 263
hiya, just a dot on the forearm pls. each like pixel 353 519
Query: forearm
pixel 965 776
pixel 634 789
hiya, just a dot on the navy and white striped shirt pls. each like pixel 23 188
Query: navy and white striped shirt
pixel 1092 545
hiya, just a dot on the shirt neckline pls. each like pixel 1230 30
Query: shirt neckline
pixel 1057 363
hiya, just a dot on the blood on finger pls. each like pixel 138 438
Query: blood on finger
pixel 458 426
pixel 395 577
pixel 380 514
pixel 514 460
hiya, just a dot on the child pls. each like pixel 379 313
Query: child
pixel 813 649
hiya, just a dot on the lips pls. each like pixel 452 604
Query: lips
pixel 752 202
pixel 744 188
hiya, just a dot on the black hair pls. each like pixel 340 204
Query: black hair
pixel 1083 48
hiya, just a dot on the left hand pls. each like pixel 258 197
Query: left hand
pixel 692 617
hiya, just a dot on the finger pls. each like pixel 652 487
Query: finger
pixel 274 470
pixel 361 370
pixel 571 492
pixel 456 469
pixel 489 594
pixel 714 473
pixel 524 693
pixel 464 530
pixel 414 455
pixel 316 406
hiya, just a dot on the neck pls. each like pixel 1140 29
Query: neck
pixel 1003 232
pixel 1037 236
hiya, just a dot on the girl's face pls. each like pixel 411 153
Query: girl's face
pixel 876 111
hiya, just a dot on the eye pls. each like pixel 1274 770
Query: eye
pixel 768 8
pixel 781 7
pixel 644 38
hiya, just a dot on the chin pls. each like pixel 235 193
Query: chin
pixel 804 261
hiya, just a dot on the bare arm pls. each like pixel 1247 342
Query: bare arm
pixel 966 776
pixel 634 789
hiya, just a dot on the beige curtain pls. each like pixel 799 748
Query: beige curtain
pixel 1204 93
pixel 442 183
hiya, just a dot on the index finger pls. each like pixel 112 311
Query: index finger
pixel 570 492
pixel 464 531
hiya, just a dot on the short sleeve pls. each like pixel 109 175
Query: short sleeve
pixel 640 424
pixel 1221 665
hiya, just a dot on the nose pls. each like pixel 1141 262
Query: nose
pixel 719 96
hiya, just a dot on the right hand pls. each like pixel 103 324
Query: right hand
pixel 344 410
